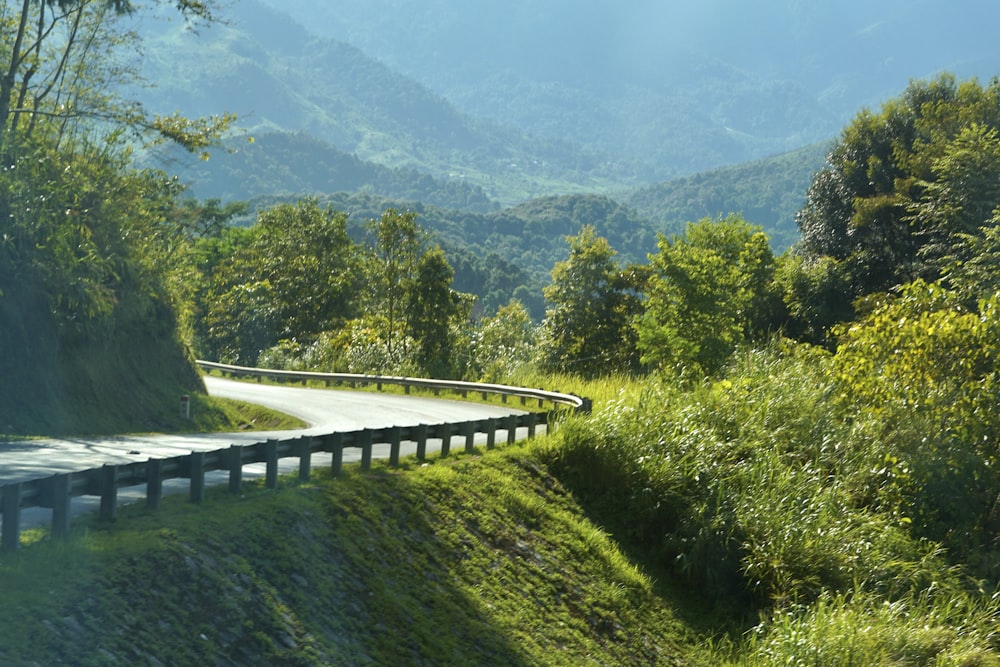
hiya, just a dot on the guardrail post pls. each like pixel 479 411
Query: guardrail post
pixel 304 450
pixel 366 449
pixel 271 458
pixel 395 439
pixel 154 483
pixel 491 432
pixel 421 441
pixel 61 504
pixel 196 460
pixel 532 422
pixel 511 429
pixel 335 443
pixel 470 436
pixel 444 432
pixel 11 538
pixel 109 492
pixel 235 468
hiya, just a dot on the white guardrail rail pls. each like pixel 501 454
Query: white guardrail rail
pixel 57 491
pixel 352 379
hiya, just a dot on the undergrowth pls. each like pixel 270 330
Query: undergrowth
pixel 794 510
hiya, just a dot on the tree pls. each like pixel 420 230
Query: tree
pixel 905 187
pixel 587 328
pixel 395 247
pixel 433 310
pixel 954 215
pixel 59 62
pixel 712 289
pixel 295 275
pixel 502 343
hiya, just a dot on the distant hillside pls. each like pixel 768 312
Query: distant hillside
pixel 766 192
pixel 281 78
pixel 281 164
pixel 680 87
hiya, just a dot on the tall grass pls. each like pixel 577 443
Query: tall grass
pixel 763 487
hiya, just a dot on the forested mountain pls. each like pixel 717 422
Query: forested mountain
pixel 767 192
pixel 680 87
pixel 283 163
pixel 278 77
pixel 470 107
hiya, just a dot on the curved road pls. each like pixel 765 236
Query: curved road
pixel 324 410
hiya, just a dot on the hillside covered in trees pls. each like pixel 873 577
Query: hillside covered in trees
pixel 806 440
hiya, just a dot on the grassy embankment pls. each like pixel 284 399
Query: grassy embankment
pixel 482 559
pixel 767 517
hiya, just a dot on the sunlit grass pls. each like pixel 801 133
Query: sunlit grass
pixel 476 558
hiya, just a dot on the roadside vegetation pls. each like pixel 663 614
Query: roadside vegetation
pixel 793 458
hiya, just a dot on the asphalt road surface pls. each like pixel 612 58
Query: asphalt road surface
pixel 324 410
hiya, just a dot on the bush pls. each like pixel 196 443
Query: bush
pixel 750 485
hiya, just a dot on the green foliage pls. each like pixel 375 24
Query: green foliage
pixel 87 292
pixel 587 330
pixel 931 628
pixel 295 274
pixel 925 371
pixel 907 188
pixel 502 344
pixel 712 290
pixel 433 311
pixel 395 245
pixel 752 487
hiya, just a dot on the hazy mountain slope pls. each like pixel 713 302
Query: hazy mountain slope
pixel 282 163
pixel 279 77
pixel 679 86
pixel 768 192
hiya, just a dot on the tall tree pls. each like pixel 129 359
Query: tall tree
pixel 711 290
pixel 294 275
pixel 433 310
pixel 903 185
pixel 587 328
pixel 396 241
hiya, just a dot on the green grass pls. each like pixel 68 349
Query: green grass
pixel 748 520
pixel 478 559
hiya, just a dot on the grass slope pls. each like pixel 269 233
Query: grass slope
pixel 472 560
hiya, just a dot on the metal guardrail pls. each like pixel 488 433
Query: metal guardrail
pixel 57 491
pixel 351 379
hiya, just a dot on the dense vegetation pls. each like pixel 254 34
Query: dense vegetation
pixel 809 439
pixel 89 260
